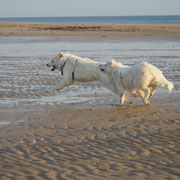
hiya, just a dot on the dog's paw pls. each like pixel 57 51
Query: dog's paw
pixel 147 103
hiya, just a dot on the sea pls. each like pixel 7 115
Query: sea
pixel 173 19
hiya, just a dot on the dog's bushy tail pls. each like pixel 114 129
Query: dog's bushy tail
pixel 165 83
pixel 170 86
pixel 160 78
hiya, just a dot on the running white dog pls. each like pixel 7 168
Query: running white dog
pixel 74 68
pixel 138 77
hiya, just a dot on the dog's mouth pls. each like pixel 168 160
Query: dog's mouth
pixel 53 68
pixel 101 68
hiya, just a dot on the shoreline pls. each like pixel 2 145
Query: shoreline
pixel 89 30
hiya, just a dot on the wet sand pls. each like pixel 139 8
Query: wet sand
pixel 66 142
pixel 82 132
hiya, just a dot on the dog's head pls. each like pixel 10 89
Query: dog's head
pixel 55 62
pixel 58 61
pixel 108 66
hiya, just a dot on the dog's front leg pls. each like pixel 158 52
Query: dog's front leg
pixel 122 98
pixel 153 91
pixel 57 86
pixel 63 83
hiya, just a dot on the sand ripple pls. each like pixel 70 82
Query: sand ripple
pixel 93 144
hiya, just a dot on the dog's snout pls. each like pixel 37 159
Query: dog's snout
pixel 47 65
pixel 101 67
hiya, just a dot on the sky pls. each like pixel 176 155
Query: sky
pixel 46 8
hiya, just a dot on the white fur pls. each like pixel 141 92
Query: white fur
pixel 138 77
pixel 84 70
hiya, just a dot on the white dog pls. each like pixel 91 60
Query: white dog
pixel 138 77
pixel 74 68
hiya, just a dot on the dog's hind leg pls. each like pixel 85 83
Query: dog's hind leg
pixel 133 93
pixel 154 87
pixel 141 93
pixel 146 101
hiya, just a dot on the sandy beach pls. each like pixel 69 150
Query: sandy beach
pixel 127 142
pixel 81 132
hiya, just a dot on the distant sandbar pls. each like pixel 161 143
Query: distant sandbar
pixel 89 30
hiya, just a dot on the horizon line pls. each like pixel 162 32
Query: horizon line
pixel 86 16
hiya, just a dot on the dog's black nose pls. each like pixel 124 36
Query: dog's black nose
pixel 47 65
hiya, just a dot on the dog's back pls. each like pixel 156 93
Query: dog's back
pixel 144 75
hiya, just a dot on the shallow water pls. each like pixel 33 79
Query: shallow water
pixel 24 76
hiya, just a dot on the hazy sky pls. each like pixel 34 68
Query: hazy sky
pixel 33 8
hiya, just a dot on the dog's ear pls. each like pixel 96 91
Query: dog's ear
pixel 68 54
pixel 112 63
pixel 59 55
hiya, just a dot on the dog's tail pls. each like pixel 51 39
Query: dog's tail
pixel 165 83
